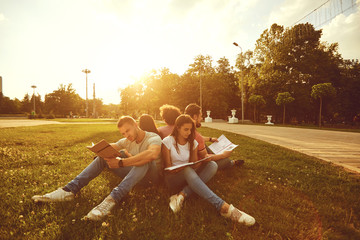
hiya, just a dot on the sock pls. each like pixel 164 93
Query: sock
pixel 66 189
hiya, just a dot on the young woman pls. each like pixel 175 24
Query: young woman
pixel 147 123
pixel 181 147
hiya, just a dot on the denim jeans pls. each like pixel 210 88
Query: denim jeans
pixel 222 163
pixel 131 174
pixel 195 180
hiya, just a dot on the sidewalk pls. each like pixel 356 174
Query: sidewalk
pixel 341 148
pixel 6 123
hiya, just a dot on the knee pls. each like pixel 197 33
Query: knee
pixel 189 173
pixel 212 166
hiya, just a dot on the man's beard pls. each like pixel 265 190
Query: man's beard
pixel 198 125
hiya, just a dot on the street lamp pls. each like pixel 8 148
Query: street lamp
pixel 242 88
pixel 86 71
pixel 33 86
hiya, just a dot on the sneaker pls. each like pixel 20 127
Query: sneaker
pixel 101 210
pixel 239 162
pixel 58 195
pixel 176 202
pixel 239 216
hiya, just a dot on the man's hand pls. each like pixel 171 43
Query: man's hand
pixel 112 162
pixel 226 154
pixel 211 139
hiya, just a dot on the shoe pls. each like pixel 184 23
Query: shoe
pixel 58 195
pixel 239 216
pixel 176 202
pixel 101 210
pixel 239 162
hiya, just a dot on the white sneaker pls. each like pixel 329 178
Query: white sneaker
pixel 58 195
pixel 101 210
pixel 176 202
pixel 239 216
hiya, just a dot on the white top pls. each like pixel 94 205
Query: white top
pixel 183 155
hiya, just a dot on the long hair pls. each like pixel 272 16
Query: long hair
pixel 147 123
pixel 180 121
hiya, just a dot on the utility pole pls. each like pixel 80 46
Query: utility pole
pixel 33 86
pixel 94 112
pixel 86 71
pixel 242 88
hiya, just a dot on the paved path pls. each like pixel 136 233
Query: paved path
pixel 5 123
pixel 341 148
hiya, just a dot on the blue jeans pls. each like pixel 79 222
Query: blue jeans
pixel 131 174
pixel 222 163
pixel 195 180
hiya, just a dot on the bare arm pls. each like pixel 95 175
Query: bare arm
pixel 194 157
pixel 209 139
pixel 202 153
pixel 165 154
pixel 142 158
pixel 225 154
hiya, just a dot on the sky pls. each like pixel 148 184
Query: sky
pixel 49 42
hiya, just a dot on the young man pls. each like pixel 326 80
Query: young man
pixel 168 113
pixel 222 160
pixel 143 151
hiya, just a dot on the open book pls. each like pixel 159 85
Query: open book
pixel 223 144
pixel 184 164
pixel 104 149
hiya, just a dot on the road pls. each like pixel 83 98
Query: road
pixel 341 148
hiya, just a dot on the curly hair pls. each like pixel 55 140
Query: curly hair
pixel 169 113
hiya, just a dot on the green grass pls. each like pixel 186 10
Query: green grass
pixel 291 195
pixel 76 120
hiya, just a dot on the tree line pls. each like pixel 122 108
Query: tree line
pixel 63 102
pixel 288 75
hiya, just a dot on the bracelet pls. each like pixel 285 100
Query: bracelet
pixel 120 163
pixel 210 139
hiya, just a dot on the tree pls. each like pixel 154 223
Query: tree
pixel 320 91
pixel 283 99
pixel 256 100
pixel 63 101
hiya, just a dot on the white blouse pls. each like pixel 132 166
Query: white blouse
pixel 183 155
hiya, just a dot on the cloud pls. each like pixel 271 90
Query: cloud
pixel 290 11
pixel 343 29
pixel 346 31
pixel 2 17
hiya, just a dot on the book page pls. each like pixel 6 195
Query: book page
pixel 185 164
pixel 223 144
pixel 104 149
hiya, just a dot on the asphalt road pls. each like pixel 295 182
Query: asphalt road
pixel 341 148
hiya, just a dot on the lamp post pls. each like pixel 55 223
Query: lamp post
pixel 200 89
pixel 242 88
pixel 86 71
pixel 33 86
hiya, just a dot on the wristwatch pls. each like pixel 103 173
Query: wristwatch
pixel 120 163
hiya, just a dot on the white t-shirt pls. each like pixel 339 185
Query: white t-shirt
pixel 180 157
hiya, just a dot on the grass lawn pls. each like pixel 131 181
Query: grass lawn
pixel 77 120
pixel 291 195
